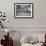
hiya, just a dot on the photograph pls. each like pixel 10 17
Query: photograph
pixel 23 10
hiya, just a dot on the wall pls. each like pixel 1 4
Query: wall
pixel 39 13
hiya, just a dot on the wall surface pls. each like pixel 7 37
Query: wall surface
pixel 37 23
pixel 39 13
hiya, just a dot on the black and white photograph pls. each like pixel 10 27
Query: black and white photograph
pixel 23 9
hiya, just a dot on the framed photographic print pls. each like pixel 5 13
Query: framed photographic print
pixel 22 9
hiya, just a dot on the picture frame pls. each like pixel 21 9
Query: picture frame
pixel 23 10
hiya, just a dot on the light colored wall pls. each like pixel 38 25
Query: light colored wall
pixel 39 13
pixel 39 9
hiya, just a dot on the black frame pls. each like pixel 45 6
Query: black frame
pixel 23 17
